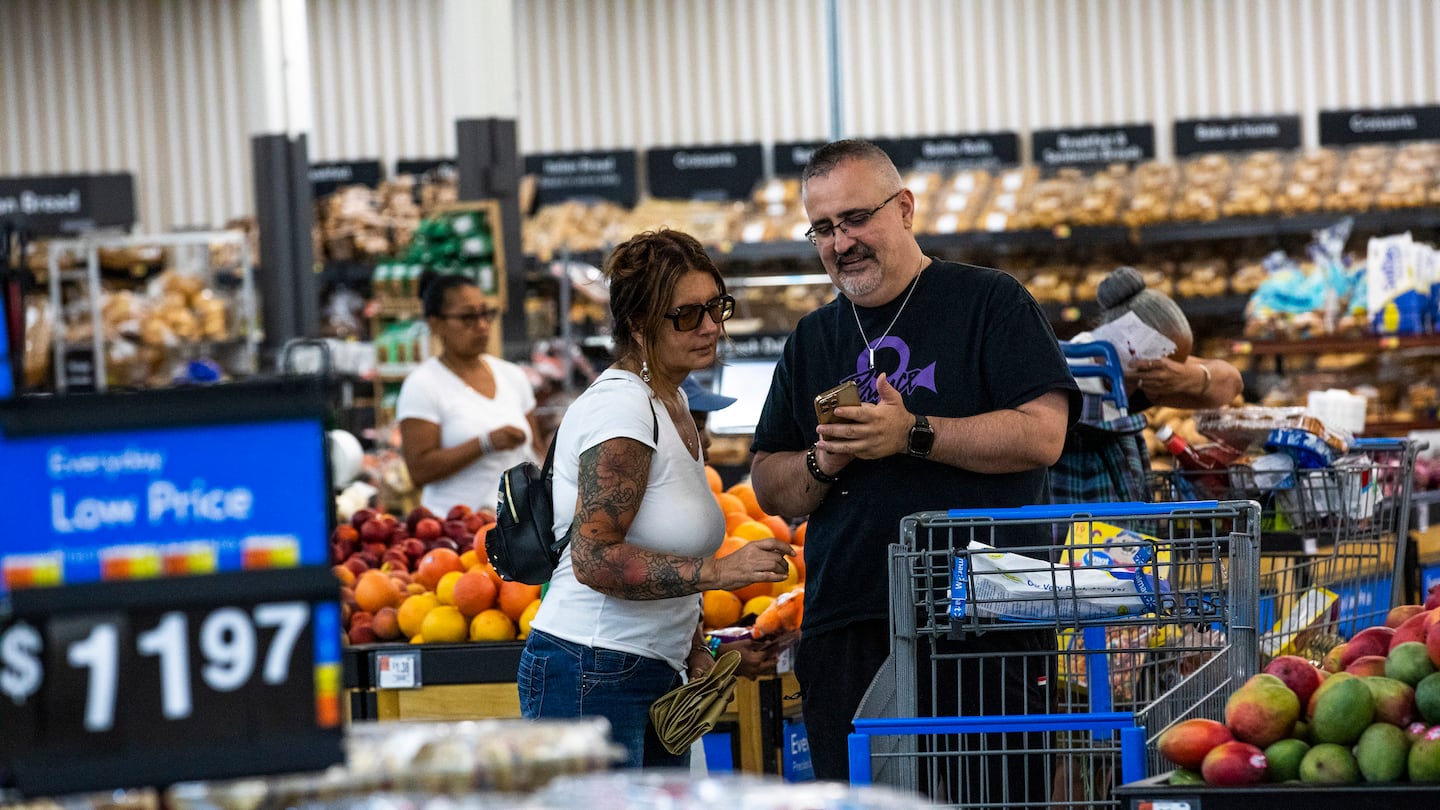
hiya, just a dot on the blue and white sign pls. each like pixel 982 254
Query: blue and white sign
pixel 132 504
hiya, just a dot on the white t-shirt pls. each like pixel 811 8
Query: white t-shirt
pixel 433 393
pixel 678 515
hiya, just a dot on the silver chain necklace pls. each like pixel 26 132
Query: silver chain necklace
pixel 870 347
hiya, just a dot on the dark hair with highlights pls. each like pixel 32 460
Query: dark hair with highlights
pixel 643 272
pixel 827 157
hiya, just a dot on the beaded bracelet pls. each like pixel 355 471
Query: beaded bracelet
pixel 813 465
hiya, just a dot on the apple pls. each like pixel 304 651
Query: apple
pixel 357 564
pixel 375 531
pixel 377 550
pixel 341 550
pixel 414 548
pixel 455 530
pixel 445 542
pixel 361 517
pixel 428 529
pixel 458 512
pixel 416 515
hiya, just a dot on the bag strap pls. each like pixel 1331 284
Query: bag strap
pixel 547 472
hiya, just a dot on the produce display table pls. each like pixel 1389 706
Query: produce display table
pixel 1154 793
pixel 470 681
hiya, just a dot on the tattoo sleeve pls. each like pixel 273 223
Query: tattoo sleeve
pixel 612 483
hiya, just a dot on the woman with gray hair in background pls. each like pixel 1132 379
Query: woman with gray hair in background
pixel 1181 380
pixel 1105 457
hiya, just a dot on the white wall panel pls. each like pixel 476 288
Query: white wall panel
pixel 157 87
pixel 140 86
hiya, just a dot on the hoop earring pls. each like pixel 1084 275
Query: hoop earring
pixel 644 371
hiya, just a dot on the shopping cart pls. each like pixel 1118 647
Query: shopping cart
pixel 1026 672
pixel 1333 540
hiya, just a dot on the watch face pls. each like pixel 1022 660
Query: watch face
pixel 922 438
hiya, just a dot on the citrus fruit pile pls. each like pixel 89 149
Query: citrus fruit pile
pixel 776 605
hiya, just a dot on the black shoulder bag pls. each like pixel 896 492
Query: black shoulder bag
pixel 522 544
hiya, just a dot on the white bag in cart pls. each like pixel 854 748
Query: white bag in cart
pixel 1002 585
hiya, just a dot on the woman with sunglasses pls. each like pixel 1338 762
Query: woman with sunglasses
pixel 465 417
pixel 620 624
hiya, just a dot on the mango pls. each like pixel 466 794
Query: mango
pixel 1367 665
pixel 1185 776
pixel 1408 662
pixel 1394 700
pixel 1263 711
pixel 1381 753
pixel 1400 613
pixel 1427 697
pixel 1186 743
pixel 1301 676
pixel 1424 760
pixel 1329 764
pixel 1412 629
pixel 1370 641
pixel 1234 763
pixel 1342 711
pixel 1283 760
pixel 1330 680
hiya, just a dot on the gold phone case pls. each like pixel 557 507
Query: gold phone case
pixel 827 401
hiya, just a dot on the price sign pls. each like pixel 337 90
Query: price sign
pixel 126 684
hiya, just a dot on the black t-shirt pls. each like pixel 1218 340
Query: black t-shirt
pixel 971 340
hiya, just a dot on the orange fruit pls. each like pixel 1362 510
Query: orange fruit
pixel 729 546
pixel 733 519
pixel 799 559
pixel 797 537
pixel 721 609
pixel 778 525
pixel 386 624
pixel 492 625
pixel 445 588
pixel 527 617
pixel 729 503
pixel 712 475
pixel 753 590
pixel 435 564
pixel 746 494
pixel 375 590
pixel 345 575
pixel 757 605
pixel 417 639
pixel 474 593
pixel 413 610
pixel 469 559
pixel 495 578
pixel 753 530
pixel 792 578
pixel 444 623
pixel 516 596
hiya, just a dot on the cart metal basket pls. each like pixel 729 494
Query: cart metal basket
pixel 1038 653
pixel 1333 541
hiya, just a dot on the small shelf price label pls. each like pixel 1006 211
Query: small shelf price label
pixel 1389 342
pixel 398 670
pixel 1242 347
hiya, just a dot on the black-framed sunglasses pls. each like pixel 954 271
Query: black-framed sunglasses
pixel 825 230
pixel 687 318
pixel 471 318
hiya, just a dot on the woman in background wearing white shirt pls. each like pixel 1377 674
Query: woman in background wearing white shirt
pixel 465 417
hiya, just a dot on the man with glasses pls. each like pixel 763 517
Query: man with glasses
pixel 965 401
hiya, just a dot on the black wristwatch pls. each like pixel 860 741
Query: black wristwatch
pixel 922 438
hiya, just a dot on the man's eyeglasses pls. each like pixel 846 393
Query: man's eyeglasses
pixel 825 230
pixel 471 318
pixel 688 317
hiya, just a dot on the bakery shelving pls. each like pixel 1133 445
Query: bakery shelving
pixel 204 308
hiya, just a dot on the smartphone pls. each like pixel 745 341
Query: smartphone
pixel 827 401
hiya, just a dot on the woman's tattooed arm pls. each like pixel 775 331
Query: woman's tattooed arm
pixel 612 483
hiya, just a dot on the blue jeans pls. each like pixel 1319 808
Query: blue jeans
pixel 558 678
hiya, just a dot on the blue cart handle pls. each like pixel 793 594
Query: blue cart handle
pixel 1379 443
pixel 1046 511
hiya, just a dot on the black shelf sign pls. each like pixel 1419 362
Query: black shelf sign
pixel 705 172
pixel 54 205
pixel 946 153
pixel 325 178
pixel 149 682
pixel 563 176
pixel 1092 146
pixel 789 157
pixel 422 166
pixel 1199 135
pixel 1387 125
